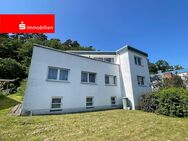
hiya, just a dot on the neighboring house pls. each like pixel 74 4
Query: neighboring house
pixel 74 81
pixel 183 73
pixel 156 81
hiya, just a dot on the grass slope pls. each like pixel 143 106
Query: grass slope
pixel 104 125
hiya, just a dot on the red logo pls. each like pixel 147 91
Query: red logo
pixel 27 23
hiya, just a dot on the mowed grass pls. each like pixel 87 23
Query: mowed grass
pixel 104 125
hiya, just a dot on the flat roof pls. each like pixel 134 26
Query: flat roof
pixel 93 52
pixel 177 71
pixel 109 52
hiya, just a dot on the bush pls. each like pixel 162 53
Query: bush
pixel 173 102
pixel 168 101
pixel 149 102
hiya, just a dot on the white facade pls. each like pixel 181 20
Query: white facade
pixel 123 74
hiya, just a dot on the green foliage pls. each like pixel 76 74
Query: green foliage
pixel 1 95
pixel 178 67
pixel 149 102
pixel 173 102
pixel 16 52
pixel 21 89
pixel 152 68
pixel 11 69
pixel 163 65
pixel 175 81
pixel 169 101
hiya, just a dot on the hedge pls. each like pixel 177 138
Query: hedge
pixel 169 101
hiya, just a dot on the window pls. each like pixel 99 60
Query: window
pixel 110 80
pixel 113 100
pixel 52 73
pixel 88 77
pixel 138 60
pixel 91 77
pixel 98 58
pixel 140 80
pixel 56 103
pixel 63 74
pixel 89 102
pixel 107 79
pixel 58 73
pixel 111 60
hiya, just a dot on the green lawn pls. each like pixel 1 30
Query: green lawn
pixel 104 125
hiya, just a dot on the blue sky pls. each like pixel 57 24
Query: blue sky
pixel 158 27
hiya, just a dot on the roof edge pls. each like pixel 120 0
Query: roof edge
pixel 132 49
pixel 58 50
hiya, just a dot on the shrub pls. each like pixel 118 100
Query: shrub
pixel 173 102
pixel 149 102
pixel 168 101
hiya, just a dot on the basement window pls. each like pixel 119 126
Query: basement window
pixel 56 103
pixel 89 102
pixel 113 100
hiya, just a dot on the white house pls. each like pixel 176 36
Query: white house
pixel 74 81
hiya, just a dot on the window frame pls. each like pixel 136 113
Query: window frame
pixel 60 69
pixel 49 71
pixel 58 74
pixel 88 77
pixel 61 103
pixel 112 80
pixel 141 82
pixel 115 100
pixel 138 60
pixel 90 106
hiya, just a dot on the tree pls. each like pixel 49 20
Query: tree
pixel 11 69
pixel 54 43
pixel 75 44
pixel 68 43
pixel 178 67
pixel 175 81
pixel 152 68
pixel 163 65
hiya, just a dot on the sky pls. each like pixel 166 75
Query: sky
pixel 158 27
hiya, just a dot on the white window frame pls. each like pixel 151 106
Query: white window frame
pixel 140 79
pixel 88 82
pixel 136 60
pixel 91 106
pixel 112 78
pixel 49 71
pixel 113 101
pixel 58 74
pixel 103 59
pixel 56 109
